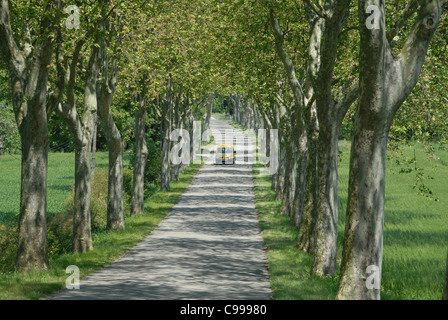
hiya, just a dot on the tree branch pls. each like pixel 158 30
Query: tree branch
pixel 317 8
pixel 407 67
pixel 289 66
pixel 348 97
pixel 12 55
pixel 410 9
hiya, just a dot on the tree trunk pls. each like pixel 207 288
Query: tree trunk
pixel 32 247
pixel 106 89
pixel 189 119
pixel 306 197
pixel 165 183
pixel 330 115
pixel 141 156
pixel 326 222
pixel 306 219
pixel 175 171
pixel 95 134
pixel 115 216
pixel 177 124
pixel 236 108
pixel 83 132
pixel 363 243
pixel 166 166
pixel 280 183
pixel 82 236
pixel 290 177
pixel 244 115
pixel 305 201
pixel 208 115
pixel 300 102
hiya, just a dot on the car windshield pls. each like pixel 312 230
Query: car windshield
pixel 224 150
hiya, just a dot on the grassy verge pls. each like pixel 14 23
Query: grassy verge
pixel 289 268
pixel 415 234
pixel 108 246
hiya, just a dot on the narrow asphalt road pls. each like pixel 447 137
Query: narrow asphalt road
pixel 209 247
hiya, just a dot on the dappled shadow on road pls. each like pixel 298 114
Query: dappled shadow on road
pixel 208 247
pixel 189 269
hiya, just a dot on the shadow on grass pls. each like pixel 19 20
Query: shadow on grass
pixel 400 217
pixel 410 238
pixel 59 187
pixel 7 217
pixel 289 268
pixel 417 278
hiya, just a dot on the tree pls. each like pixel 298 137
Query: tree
pixel 28 73
pixel 330 113
pixel 109 55
pixel 141 155
pixel 301 102
pixel 98 32
pixel 385 82
pixel 82 131
pixel 166 115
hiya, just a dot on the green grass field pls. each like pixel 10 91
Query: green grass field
pixel 415 235
pixel 108 246
pixel 61 170
pixel 415 240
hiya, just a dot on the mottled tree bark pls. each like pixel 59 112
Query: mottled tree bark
pixel 280 176
pixel 301 139
pixel 326 220
pixel 209 107
pixel 115 217
pixel 189 123
pixel 82 236
pixel 95 135
pixel 305 213
pixel 236 108
pixel 141 156
pixel 167 108
pixel 32 247
pixel 177 124
pixel 290 179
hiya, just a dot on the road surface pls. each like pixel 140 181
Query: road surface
pixel 209 247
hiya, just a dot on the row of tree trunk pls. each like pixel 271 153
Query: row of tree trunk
pixel 307 179
pixel 178 111
pixel 33 104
